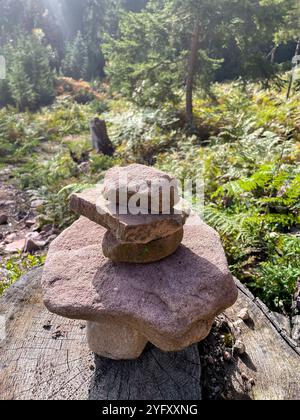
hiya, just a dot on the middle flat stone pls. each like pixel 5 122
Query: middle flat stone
pixel 140 229
pixel 140 253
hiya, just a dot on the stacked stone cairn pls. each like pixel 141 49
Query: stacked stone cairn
pixel 137 207
pixel 156 278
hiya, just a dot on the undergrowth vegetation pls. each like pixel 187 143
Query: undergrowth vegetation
pixel 246 147
pixel 16 266
pixel 250 165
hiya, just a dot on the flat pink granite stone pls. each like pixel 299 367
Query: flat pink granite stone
pixel 172 302
pixel 127 227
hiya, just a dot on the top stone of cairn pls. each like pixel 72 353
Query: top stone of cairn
pixel 156 191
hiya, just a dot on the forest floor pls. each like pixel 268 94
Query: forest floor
pixel 23 244
pixel 14 209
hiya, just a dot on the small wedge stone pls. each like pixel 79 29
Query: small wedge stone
pixel 141 253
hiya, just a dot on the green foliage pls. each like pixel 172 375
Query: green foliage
pixel 239 34
pixel 18 136
pixel 92 19
pixel 22 134
pixel 61 21
pixel 250 165
pixel 15 267
pixel 100 163
pixel 75 63
pixel 48 178
pixel 276 278
pixel 143 63
pixel 142 134
pixel 30 80
pixel 50 144
pixel 255 217
pixel 148 61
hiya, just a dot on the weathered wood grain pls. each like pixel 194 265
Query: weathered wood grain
pixel 271 359
pixel 154 376
pixel 45 357
pixel 33 364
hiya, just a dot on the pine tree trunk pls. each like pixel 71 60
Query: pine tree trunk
pixel 191 73
pixel 273 53
pixel 292 75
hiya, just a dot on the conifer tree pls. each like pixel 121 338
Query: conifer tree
pixel 75 63
pixel 30 79
pixel 175 44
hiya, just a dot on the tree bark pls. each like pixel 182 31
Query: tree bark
pixel 100 139
pixel 273 55
pixel 297 52
pixel 191 73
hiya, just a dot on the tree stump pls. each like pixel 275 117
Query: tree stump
pixel 100 139
pixel 272 359
pixel 46 357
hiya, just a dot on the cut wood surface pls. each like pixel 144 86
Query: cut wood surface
pixel 271 358
pixel 46 357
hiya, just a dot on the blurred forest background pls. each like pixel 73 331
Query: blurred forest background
pixel 194 87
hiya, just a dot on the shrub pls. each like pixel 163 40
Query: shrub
pixel 250 165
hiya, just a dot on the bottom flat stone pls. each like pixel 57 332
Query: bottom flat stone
pixel 113 339
pixel 140 253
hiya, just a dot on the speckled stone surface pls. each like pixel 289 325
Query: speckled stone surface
pixel 139 228
pixel 113 339
pixel 144 181
pixel 141 253
pixel 173 302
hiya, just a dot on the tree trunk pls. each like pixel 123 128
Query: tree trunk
pixel 100 139
pixel 191 72
pixel 297 52
pixel 273 53
pixel 271 358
